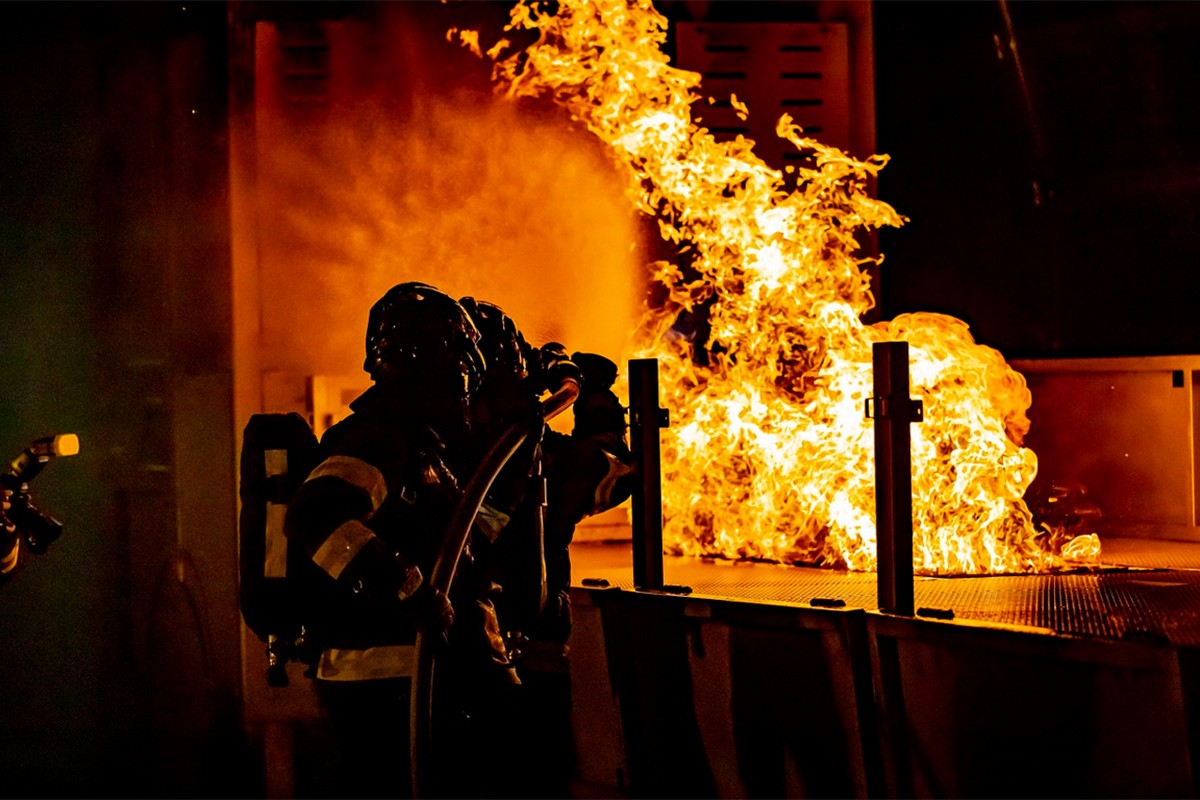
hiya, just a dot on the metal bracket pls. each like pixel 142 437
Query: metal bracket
pixel 915 411
pixel 664 417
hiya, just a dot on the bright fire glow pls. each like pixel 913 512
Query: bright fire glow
pixel 769 455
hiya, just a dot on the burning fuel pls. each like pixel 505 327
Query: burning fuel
pixel 765 361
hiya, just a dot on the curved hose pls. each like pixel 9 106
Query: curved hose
pixel 457 533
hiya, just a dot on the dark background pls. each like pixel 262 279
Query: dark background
pixel 1101 259
pixel 114 261
pixel 114 301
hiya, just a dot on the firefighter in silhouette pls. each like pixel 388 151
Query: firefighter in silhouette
pixel 585 472
pixel 372 515
pixel 525 527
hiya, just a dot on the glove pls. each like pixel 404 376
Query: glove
pixel 598 411
pixel 430 612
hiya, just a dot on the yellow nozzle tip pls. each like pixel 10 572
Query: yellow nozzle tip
pixel 66 444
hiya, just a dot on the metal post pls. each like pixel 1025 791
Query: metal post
pixel 645 420
pixel 893 410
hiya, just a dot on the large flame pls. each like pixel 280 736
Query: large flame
pixel 769 454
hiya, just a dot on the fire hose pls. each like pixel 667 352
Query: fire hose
pixel 458 532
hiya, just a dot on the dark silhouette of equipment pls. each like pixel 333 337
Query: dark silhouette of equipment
pixel 278 452
pixel 38 528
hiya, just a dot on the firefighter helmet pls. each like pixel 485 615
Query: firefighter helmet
pixel 421 338
pixel 502 343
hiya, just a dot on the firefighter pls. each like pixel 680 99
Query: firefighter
pixel 585 472
pixel 371 516
pixel 373 513
pixel 525 520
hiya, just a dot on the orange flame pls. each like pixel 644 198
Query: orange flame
pixel 769 455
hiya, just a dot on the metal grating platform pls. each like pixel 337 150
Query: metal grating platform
pixel 1149 590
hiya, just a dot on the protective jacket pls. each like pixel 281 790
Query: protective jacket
pixel 585 472
pixel 371 516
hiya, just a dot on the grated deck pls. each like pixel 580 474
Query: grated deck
pixel 1148 590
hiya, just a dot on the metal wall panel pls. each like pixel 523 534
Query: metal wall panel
pixel 798 68
pixel 1123 431
pixel 974 711
pixel 723 699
